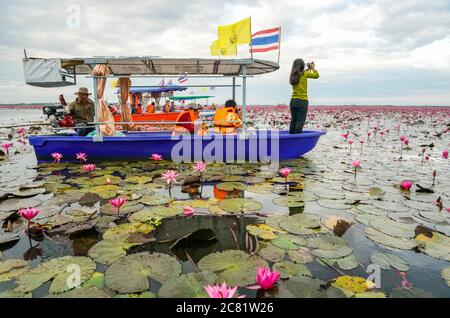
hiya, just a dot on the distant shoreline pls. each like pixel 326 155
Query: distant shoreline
pixel 41 105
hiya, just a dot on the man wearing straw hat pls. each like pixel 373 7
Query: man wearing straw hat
pixel 82 110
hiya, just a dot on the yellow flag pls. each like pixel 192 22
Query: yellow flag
pixel 234 34
pixel 216 51
pixel 114 83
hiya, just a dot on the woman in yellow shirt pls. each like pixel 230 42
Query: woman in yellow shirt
pixel 299 101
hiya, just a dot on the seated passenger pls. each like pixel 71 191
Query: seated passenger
pixel 151 108
pixel 167 107
pixel 139 109
pixel 226 119
pixel 186 119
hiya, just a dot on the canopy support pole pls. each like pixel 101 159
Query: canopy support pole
pixel 98 135
pixel 244 97
pixel 234 88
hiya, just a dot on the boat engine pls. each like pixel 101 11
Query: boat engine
pixel 57 114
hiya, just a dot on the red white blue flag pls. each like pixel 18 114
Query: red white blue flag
pixel 265 40
pixel 182 79
pixel 161 83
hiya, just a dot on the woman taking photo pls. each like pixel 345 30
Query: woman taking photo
pixel 299 101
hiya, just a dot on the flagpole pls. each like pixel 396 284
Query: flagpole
pixel 279 47
pixel 251 46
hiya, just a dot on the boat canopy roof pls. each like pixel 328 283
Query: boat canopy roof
pixel 161 89
pixel 190 97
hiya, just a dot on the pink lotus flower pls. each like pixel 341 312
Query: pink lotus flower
pixel 6 146
pixel 170 176
pixel 117 203
pixel 188 211
pixel 356 164
pixel 266 278
pixel 200 167
pixel 28 214
pixel 445 154
pixel 57 156
pixel 405 283
pixel 89 167
pixel 221 291
pixel 406 141
pixel 350 142
pixel 402 138
pixel 285 172
pixel 345 135
pixel 406 185
pixel 156 157
pixel 81 156
pixel 361 141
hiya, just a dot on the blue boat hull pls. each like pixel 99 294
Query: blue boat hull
pixel 257 146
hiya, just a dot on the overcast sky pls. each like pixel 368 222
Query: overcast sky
pixel 367 52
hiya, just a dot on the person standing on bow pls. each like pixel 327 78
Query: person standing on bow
pixel 82 110
pixel 299 101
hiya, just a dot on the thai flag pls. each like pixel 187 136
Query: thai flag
pixel 161 84
pixel 265 40
pixel 182 79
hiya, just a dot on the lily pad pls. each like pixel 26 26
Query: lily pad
pixel 11 269
pixel 289 201
pixel 300 224
pixel 147 215
pixel 263 231
pixel 8 237
pixel 389 241
pixel 300 287
pixel 189 285
pixel 156 199
pixel 131 274
pixel 438 245
pixel 410 293
pixel 393 228
pixel 239 205
pixel 289 242
pixel 288 269
pixel 108 251
pixel 58 270
pixel 271 253
pixel 123 231
pixel 385 261
pixel 235 267
pixel 129 207
pixel 231 186
pixel 329 246
pixel 301 256
pixel 446 275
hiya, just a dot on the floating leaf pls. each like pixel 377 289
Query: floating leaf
pixel 239 205
pixel 235 267
pixel 301 256
pixel 289 201
pixel 287 269
pixel 11 269
pixel 389 241
pixel 347 263
pixel 8 237
pixel 123 231
pixel 83 292
pixel 97 279
pixel 156 199
pixel 189 285
pixel 410 293
pixel 130 274
pixel 231 186
pixel 289 242
pixel 393 228
pixel 129 207
pixel 263 231
pixel 271 253
pixel 108 251
pixel 299 287
pixel 385 261
pixel 329 246
pixel 58 270
pixel 147 215
pixel 376 193
pixel 353 284
pixel 436 246
pixel 300 224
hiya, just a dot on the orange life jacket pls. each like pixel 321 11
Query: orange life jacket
pixel 185 116
pixel 150 109
pixel 139 110
pixel 226 120
pixel 167 109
